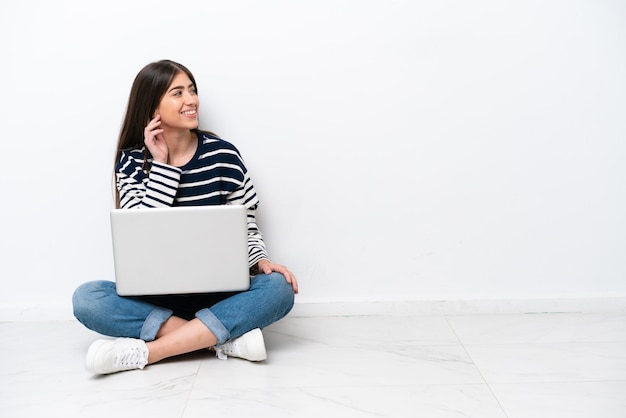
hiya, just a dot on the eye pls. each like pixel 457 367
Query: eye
pixel 193 90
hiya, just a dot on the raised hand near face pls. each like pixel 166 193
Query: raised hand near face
pixel 153 138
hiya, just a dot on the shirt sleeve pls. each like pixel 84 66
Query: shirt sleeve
pixel 256 245
pixel 138 190
pixel 246 195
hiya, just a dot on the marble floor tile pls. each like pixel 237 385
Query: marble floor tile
pixel 482 366
pixel 538 328
pixel 433 401
pixel 369 331
pixel 563 399
pixel 42 374
pixel 319 363
pixel 327 367
pixel 61 402
pixel 53 355
pixel 556 362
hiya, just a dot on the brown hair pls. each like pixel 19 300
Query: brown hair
pixel 148 89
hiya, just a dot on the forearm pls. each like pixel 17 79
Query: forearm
pixel 158 190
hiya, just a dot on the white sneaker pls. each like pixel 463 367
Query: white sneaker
pixel 250 346
pixel 111 356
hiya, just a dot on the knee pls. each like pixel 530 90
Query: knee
pixel 281 290
pixel 86 296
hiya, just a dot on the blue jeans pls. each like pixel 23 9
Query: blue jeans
pixel 227 315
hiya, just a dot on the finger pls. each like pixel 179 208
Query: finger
pixel 155 119
pixel 288 275
pixel 294 284
pixel 291 279
pixel 153 135
pixel 151 126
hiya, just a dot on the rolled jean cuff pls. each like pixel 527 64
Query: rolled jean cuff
pixel 154 322
pixel 214 325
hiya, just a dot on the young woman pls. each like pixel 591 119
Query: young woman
pixel 163 160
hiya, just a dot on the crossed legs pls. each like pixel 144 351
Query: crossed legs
pixel 179 336
pixel 98 307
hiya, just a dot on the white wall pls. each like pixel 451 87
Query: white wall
pixel 403 150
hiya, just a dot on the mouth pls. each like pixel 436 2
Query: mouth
pixel 192 112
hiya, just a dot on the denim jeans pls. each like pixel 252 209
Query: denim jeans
pixel 227 315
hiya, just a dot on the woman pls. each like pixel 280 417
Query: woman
pixel 164 160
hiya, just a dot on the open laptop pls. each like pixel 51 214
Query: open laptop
pixel 180 250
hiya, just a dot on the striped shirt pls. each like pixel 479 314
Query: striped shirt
pixel 216 175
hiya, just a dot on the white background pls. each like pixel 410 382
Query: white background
pixel 403 150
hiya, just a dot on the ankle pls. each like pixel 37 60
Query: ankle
pixel 153 352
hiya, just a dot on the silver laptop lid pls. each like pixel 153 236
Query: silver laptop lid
pixel 178 250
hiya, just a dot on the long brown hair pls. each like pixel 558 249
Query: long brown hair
pixel 148 89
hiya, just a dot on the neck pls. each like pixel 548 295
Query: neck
pixel 181 146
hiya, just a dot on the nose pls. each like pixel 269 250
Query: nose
pixel 191 98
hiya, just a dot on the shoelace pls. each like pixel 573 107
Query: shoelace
pixel 223 350
pixel 131 357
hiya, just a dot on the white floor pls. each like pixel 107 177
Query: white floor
pixel 534 365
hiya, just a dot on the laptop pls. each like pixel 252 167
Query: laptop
pixel 180 250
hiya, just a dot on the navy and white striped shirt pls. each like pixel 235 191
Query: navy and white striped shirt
pixel 216 175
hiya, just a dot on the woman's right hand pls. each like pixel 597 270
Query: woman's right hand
pixel 153 138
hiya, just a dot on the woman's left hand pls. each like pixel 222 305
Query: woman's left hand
pixel 267 267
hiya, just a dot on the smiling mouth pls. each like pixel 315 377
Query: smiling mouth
pixel 189 112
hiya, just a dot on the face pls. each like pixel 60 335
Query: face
pixel 179 106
